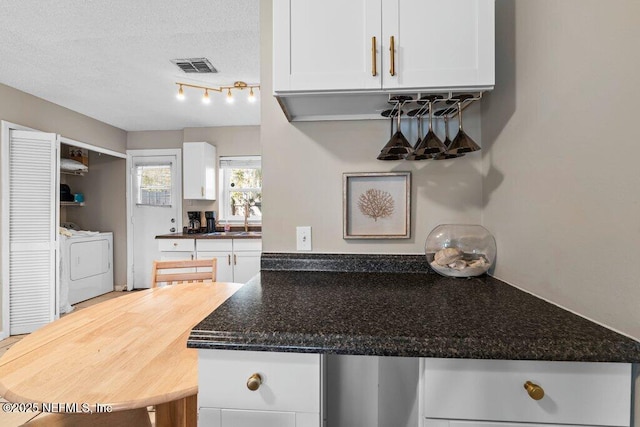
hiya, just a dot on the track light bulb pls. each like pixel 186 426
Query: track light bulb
pixel 252 96
pixel 205 97
pixel 229 96
pixel 180 94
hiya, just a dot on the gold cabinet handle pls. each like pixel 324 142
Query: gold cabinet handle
pixel 254 382
pixel 235 259
pixel 392 56
pixel 374 70
pixel 535 391
pixel 229 256
pixel 202 191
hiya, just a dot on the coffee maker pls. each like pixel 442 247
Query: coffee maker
pixel 194 222
pixel 210 217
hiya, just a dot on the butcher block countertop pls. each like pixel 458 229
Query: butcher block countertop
pixel 396 306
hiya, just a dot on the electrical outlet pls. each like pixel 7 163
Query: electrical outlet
pixel 303 238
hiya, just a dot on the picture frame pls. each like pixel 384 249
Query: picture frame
pixel 376 205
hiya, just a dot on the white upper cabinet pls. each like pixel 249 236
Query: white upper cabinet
pixel 325 45
pixel 346 45
pixel 199 171
pixel 438 44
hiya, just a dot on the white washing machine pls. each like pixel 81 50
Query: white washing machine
pixel 86 269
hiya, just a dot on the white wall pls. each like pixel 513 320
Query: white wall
pixel 303 165
pixel 562 188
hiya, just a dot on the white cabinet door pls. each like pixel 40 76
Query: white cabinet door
pixel 326 45
pixel 199 171
pixel 224 264
pixel 210 417
pixel 246 265
pixel 439 44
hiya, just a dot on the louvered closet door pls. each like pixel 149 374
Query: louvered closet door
pixel 33 198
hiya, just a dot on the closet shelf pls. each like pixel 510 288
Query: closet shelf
pixel 76 173
pixel 64 204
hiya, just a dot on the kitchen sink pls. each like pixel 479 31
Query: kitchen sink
pixel 248 233
pixel 235 233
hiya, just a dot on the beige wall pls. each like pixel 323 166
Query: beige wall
pixel 27 110
pixel 561 191
pixel 303 165
pixel 229 141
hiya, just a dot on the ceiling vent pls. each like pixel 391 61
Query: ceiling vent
pixel 195 65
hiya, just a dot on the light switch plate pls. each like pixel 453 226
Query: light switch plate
pixel 303 238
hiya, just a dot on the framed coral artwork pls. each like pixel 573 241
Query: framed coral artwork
pixel 376 205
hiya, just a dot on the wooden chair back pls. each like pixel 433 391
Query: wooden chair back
pixel 189 273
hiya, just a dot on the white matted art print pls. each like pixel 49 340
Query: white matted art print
pixel 376 205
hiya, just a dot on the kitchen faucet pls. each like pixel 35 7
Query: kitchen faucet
pixel 247 213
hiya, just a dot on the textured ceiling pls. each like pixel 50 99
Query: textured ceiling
pixel 110 60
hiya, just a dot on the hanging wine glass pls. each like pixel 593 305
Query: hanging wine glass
pixel 431 144
pixel 391 114
pixel 417 113
pixel 447 142
pixel 398 147
pixel 462 143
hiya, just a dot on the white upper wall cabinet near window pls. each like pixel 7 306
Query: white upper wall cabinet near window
pixel 199 170
pixel 324 50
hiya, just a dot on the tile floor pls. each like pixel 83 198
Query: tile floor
pixel 15 419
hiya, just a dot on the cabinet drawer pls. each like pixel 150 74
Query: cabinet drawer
pixel 247 245
pixel 290 381
pixel 176 245
pixel 216 245
pixel 574 392
pixel 461 423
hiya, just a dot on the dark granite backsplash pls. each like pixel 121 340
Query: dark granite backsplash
pixel 354 263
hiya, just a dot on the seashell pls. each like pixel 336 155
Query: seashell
pixel 479 263
pixel 447 255
pixel 458 264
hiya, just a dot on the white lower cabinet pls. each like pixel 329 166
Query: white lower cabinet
pixel 288 393
pixel 210 417
pixel 492 393
pixel 238 259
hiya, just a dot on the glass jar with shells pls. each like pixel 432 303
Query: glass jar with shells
pixel 460 250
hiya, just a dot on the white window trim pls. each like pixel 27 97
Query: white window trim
pixel 224 189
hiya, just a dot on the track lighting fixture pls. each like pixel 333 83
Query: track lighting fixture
pixel 239 85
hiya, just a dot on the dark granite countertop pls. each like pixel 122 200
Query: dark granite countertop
pixel 416 314
pixel 215 235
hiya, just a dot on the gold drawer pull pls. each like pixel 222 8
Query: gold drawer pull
pixel 392 50
pixel 374 60
pixel 254 382
pixel 535 391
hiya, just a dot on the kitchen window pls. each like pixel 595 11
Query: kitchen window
pixel 154 185
pixel 240 189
